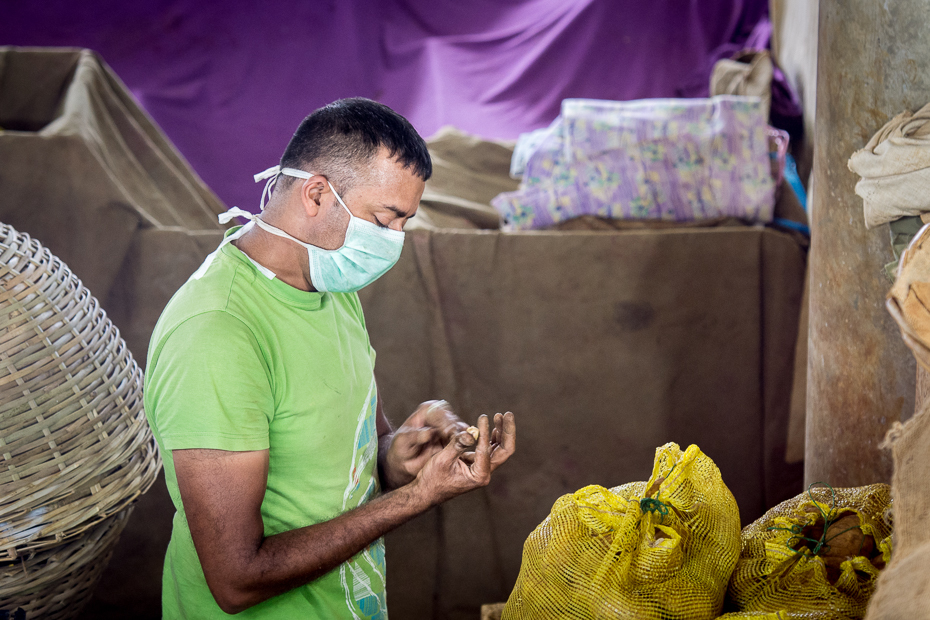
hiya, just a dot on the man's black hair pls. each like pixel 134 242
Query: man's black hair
pixel 338 140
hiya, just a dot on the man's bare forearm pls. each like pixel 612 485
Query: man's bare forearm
pixel 222 494
pixel 292 559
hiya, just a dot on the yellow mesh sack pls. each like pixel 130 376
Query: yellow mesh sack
pixel 662 549
pixel 791 564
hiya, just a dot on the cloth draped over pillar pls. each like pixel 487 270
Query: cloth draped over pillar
pixel 895 169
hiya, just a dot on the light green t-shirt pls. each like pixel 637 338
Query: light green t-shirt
pixel 241 361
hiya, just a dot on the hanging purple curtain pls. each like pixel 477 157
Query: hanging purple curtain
pixel 229 81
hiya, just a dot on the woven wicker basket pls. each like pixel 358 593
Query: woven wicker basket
pixel 56 583
pixel 74 444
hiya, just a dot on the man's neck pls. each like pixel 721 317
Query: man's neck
pixel 277 255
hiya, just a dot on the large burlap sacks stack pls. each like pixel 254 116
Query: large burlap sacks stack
pixel 125 210
pixel 904 587
pixel 816 556
pixel 903 590
pixel 75 446
pixel 662 549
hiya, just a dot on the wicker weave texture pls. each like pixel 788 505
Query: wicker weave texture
pixel 56 583
pixel 74 444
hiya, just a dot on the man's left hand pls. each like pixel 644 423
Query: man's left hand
pixel 422 435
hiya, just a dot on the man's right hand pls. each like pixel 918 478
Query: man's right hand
pixel 222 494
pixel 452 472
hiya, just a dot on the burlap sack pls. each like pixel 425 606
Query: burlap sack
pixel 904 586
pixel 84 170
pixel 904 589
pixel 749 73
pixel 895 169
pixel 468 172
pixel 909 298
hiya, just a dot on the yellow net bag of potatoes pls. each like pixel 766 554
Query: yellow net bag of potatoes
pixel 815 556
pixel 662 549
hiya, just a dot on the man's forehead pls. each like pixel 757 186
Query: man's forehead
pixel 388 173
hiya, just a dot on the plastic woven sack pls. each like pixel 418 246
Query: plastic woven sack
pixel 791 564
pixel 665 159
pixel 647 550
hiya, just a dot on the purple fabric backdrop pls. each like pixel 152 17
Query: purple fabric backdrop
pixel 229 81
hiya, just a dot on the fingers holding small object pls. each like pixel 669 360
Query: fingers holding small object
pixel 455 447
pixel 495 436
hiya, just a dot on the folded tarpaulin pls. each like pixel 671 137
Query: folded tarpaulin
pixel 468 172
pixel 666 159
pixel 895 169
pixel 84 170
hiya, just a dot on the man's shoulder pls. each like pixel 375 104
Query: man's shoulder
pixel 203 300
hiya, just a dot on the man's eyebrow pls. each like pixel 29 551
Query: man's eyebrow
pixel 398 212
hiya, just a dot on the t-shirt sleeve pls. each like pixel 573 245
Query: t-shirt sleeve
pixel 211 386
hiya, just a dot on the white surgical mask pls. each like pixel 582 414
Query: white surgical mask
pixel 367 253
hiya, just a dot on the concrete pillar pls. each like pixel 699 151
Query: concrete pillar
pixel 874 61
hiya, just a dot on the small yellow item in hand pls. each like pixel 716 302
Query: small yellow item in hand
pixel 473 431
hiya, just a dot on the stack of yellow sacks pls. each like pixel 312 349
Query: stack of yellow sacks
pixel 671 549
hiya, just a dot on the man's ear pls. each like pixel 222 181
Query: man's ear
pixel 311 191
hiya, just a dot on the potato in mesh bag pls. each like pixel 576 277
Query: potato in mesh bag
pixel 662 549
pixel 815 556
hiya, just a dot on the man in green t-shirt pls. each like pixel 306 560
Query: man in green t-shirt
pixel 260 390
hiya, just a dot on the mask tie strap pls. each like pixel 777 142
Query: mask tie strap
pixel 237 212
pixel 227 216
pixel 272 175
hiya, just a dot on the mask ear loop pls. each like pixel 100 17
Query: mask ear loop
pixel 339 198
pixel 303 174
